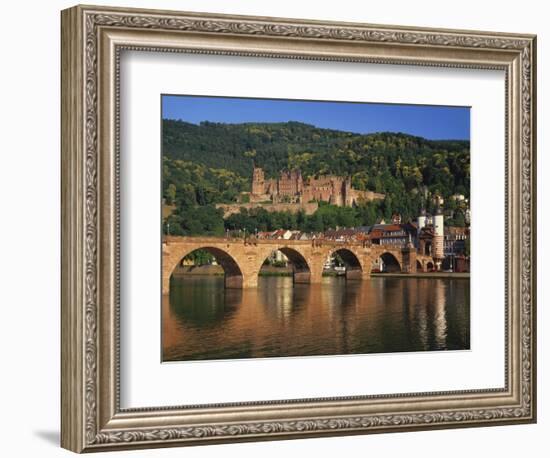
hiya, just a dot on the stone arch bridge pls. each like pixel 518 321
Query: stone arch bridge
pixel 242 259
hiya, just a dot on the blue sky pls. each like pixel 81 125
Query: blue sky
pixel 428 121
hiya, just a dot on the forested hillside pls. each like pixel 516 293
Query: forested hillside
pixel 212 163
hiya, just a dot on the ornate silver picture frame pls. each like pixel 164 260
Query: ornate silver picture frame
pixel 93 39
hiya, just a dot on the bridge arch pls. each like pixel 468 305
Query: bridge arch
pixel 233 275
pixel 301 270
pixel 352 261
pixel 391 262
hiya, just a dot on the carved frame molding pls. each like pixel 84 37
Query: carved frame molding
pixel 92 39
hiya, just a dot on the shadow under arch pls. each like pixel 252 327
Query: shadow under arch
pixel 233 276
pixel 419 267
pixel 301 272
pixel 391 263
pixel 354 269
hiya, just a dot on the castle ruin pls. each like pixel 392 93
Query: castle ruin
pixel 291 193
pixel 291 187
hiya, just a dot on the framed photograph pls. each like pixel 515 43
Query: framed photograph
pixel 279 228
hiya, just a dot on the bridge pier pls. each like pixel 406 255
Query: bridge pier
pixel 302 277
pixel 316 272
pixel 250 281
pixel 408 263
pixel 233 281
pixel 354 274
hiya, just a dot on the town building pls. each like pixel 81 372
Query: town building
pixel 456 249
pixel 455 240
pixel 393 235
pixel 345 235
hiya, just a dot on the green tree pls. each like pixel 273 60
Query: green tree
pixel 200 258
pixel 171 194
pixel 211 163
pixel 459 219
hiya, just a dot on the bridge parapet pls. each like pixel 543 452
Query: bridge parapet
pixel 172 239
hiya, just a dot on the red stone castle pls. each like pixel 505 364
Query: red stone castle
pixel 291 187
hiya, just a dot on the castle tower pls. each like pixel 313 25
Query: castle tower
pixel 347 198
pixel 258 181
pixel 299 182
pixel 438 222
pixel 336 193
pixel 421 220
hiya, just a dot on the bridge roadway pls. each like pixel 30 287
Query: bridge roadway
pixel 242 259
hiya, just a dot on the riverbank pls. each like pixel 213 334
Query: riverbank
pixel 424 275
pixel 199 270
pixel 270 271
pixel 267 271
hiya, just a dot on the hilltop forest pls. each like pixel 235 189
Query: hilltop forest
pixel 212 163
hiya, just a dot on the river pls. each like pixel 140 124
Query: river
pixel 203 321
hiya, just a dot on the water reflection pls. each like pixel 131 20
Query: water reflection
pixel 203 320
